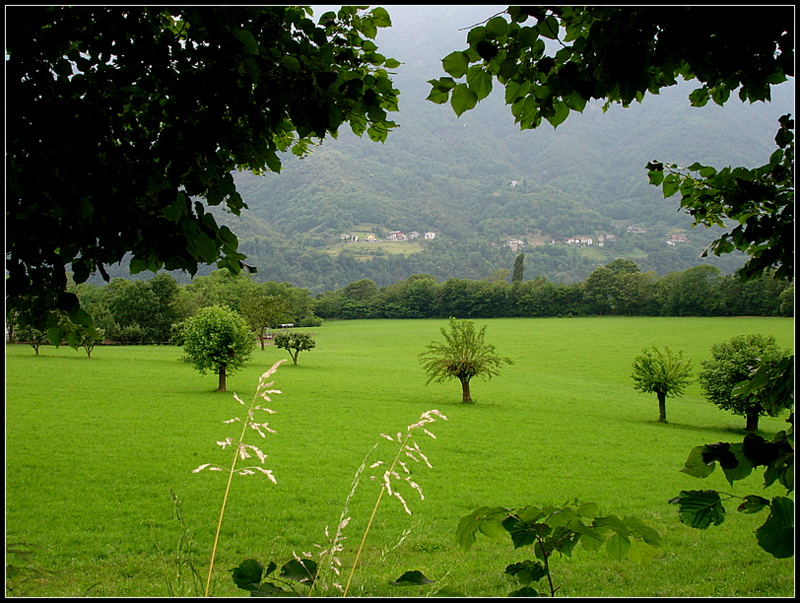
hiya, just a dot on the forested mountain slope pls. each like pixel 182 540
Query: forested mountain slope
pixel 477 181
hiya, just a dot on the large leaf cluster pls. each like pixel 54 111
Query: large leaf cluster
pixel 124 124
pixel 570 55
pixel 703 508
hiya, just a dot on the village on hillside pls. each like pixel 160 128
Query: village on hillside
pixel 516 244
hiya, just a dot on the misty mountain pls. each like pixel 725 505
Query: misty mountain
pixel 477 180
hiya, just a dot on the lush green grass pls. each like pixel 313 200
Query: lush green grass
pixel 94 446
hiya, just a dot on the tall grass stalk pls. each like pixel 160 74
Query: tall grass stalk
pixel 404 449
pixel 240 450
pixel 328 558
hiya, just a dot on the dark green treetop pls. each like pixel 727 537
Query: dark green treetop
pixel 125 123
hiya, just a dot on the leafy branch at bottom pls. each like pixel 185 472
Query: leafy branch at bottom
pixel 557 530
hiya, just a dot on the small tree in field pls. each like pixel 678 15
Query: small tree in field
pixel 463 355
pixel 732 363
pixel 263 311
pixel 33 337
pixel 88 341
pixel 217 339
pixel 294 343
pixel 664 374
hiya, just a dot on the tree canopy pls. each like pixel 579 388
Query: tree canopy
pixel 125 123
pixel 217 339
pixel 732 364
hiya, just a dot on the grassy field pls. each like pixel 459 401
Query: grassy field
pixel 94 448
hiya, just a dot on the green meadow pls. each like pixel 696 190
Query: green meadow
pixel 96 447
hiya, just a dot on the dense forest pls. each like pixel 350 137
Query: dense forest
pixel 477 182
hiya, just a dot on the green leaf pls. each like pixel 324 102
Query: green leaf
pixel 525 591
pixel 613 523
pixel 475 35
pixel 588 510
pixel 81 318
pixel 412 578
pixel 303 570
pixel 618 546
pixel 469 525
pixel 642 531
pixel 776 536
pixel 245 36
pixel 463 99
pixel 380 16
pixel 560 115
pixel 55 335
pixel 696 466
pixel 456 64
pixel 524 534
pixel 561 517
pixel 575 101
pixel 641 552
pixel 655 173
pixel 671 184
pixel 492 527
pixel 479 81
pixel 752 504
pixel 174 211
pixel 741 470
pixel 247 574
pixel 700 508
pixel 138 265
pixel 549 28
pixel 496 27
pixel 291 63
pixel 699 97
pixel 594 538
pixel 527 571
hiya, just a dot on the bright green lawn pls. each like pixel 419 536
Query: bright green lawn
pixel 94 446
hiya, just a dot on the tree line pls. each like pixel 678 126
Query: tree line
pixel 145 311
pixel 618 288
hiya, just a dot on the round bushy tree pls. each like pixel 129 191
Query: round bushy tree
pixel 294 343
pixel 218 339
pixel 732 363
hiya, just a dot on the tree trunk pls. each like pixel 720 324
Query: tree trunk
pixel 662 407
pixel 222 378
pixel 752 422
pixel 465 396
pixel 261 340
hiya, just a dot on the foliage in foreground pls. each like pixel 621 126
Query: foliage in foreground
pixel 558 530
pixel 187 96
